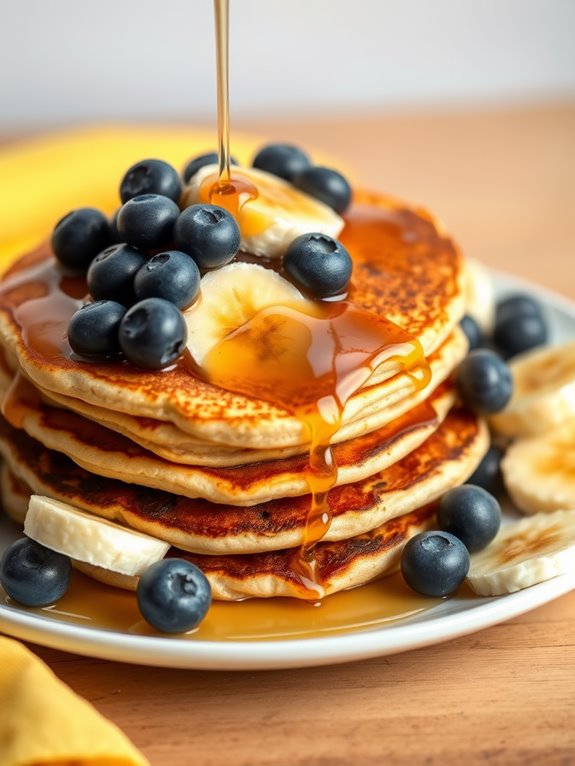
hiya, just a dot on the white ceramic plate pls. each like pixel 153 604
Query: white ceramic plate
pixel 447 620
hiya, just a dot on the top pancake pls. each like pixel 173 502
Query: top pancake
pixel 405 270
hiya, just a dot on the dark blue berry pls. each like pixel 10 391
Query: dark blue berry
pixel 472 332
pixel 79 237
pixel 173 595
pixel 434 563
pixel 471 514
pixel 283 160
pixel 111 274
pixel 93 329
pixel 488 472
pixel 209 234
pixel 172 275
pixel 484 381
pixel 518 304
pixel 34 575
pixel 151 177
pixel 147 221
pixel 519 325
pixel 325 184
pixel 319 264
pixel 153 333
pixel 195 164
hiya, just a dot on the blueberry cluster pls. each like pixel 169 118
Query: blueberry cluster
pixel 520 325
pixel 294 165
pixel 144 267
pixel 435 563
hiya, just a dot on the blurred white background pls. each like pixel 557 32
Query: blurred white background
pixel 71 61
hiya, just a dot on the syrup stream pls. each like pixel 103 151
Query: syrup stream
pixel 221 11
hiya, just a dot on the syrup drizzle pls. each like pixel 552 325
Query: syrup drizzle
pixel 222 12
pixel 310 365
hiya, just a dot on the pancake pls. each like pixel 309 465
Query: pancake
pixel 444 460
pixel 340 565
pixel 406 270
pixel 14 494
pixel 107 453
pixel 380 405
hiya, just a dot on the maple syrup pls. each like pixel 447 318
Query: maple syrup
pixel 91 604
pixel 310 364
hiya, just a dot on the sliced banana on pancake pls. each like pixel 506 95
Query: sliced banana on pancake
pixel 539 472
pixel 543 392
pixel 231 296
pixel 525 553
pixel 479 295
pixel 91 540
pixel 276 216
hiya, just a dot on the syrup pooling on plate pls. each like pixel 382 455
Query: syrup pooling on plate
pixel 311 364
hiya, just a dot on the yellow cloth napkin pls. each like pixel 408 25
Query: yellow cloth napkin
pixel 42 179
pixel 42 721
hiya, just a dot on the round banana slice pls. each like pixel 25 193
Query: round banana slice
pixel 543 391
pixel 539 472
pixel 86 538
pixel 279 213
pixel 479 295
pixel 525 553
pixel 230 297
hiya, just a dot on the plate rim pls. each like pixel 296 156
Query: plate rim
pixel 406 635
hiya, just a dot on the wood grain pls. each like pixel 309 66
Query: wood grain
pixel 504 183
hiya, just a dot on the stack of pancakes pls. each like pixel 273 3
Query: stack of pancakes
pixel 223 477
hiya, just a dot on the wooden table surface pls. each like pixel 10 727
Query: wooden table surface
pixel 504 183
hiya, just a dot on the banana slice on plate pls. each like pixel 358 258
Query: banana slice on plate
pixel 271 219
pixel 543 392
pixel 525 553
pixel 230 297
pixel 479 295
pixel 91 540
pixel 539 472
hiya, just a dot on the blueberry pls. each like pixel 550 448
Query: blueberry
pixel 34 575
pixel 519 325
pixel 471 514
pixel 79 237
pixel 325 184
pixel 472 332
pixel 484 381
pixel 518 304
pixel 283 160
pixel 195 164
pixel 147 221
pixel 151 177
pixel 153 333
pixel 319 264
pixel 93 329
pixel 173 595
pixel 434 563
pixel 111 274
pixel 209 234
pixel 172 275
pixel 488 472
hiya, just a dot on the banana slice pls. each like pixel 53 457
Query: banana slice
pixel 270 221
pixel 539 472
pixel 85 538
pixel 230 297
pixel 543 392
pixel 524 553
pixel 479 295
